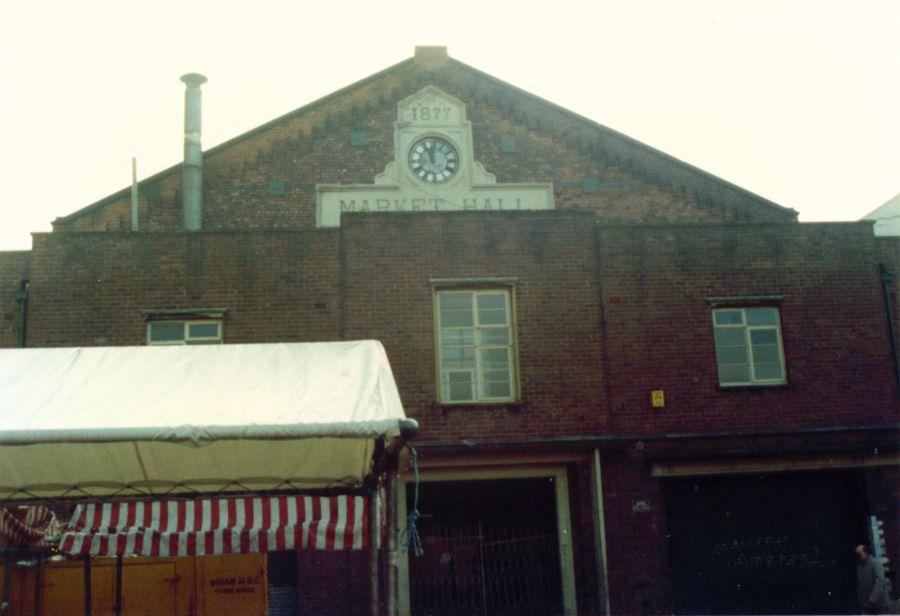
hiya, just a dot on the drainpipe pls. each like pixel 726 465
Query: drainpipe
pixel 886 280
pixel 21 297
pixel 192 168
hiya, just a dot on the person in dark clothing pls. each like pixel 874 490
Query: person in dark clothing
pixel 871 586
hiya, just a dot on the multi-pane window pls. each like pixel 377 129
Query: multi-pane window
pixel 748 346
pixel 475 346
pixel 184 332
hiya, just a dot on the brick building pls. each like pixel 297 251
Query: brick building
pixel 641 389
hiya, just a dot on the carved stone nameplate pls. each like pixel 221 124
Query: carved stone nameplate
pixel 434 170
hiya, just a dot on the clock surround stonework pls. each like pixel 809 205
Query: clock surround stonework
pixel 430 113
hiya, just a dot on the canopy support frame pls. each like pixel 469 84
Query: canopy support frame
pixel 374 536
pixel 7 580
pixel 117 608
pixel 39 584
pixel 87 585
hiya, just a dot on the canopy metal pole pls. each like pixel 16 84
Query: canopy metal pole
pixel 38 584
pixel 391 600
pixel 7 580
pixel 87 585
pixel 118 607
pixel 599 519
pixel 374 526
pixel 385 465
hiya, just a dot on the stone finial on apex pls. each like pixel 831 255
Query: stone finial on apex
pixel 430 57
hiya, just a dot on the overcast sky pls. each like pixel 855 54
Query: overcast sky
pixel 795 100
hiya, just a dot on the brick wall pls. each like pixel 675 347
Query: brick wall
pixel 603 315
pixel 332 583
pixel 91 288
pixel 265 179
pixel 372 280
pixel 637 553
pixel 659 334
pixel 13 269
pixel 388 263
pixel 883 483
pixel 889 257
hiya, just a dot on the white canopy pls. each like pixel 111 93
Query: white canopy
pixel 174 419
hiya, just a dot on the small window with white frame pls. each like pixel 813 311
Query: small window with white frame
pixel 748 346
pixel 476 347
pixel 173 332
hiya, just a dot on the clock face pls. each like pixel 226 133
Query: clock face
pixel 433 160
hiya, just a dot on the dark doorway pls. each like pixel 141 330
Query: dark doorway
pixel 491 547
pixel 282 582
pixel 764 544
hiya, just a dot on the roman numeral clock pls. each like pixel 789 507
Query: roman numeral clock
pixel 433 160
pixel 433 146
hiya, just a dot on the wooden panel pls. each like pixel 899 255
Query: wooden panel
pixel 148 589
pixel 232 584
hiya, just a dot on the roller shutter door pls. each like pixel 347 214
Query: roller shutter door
pixel 764 544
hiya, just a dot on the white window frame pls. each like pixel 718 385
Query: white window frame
pixel 186 339
pixel 748 342
pixel 512 346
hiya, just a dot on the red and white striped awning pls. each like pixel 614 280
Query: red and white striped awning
pixel 27 526
pixel 206 526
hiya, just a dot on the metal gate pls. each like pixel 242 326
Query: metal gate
pixel 498 568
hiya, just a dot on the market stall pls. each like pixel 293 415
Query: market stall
pixel 219 449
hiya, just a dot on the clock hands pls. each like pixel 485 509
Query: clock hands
pixel 433 160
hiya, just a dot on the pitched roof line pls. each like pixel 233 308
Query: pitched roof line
pixel 235 140
pixel 629 140
pixel 625 139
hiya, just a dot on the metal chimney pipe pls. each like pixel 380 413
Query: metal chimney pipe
pixel 192 168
